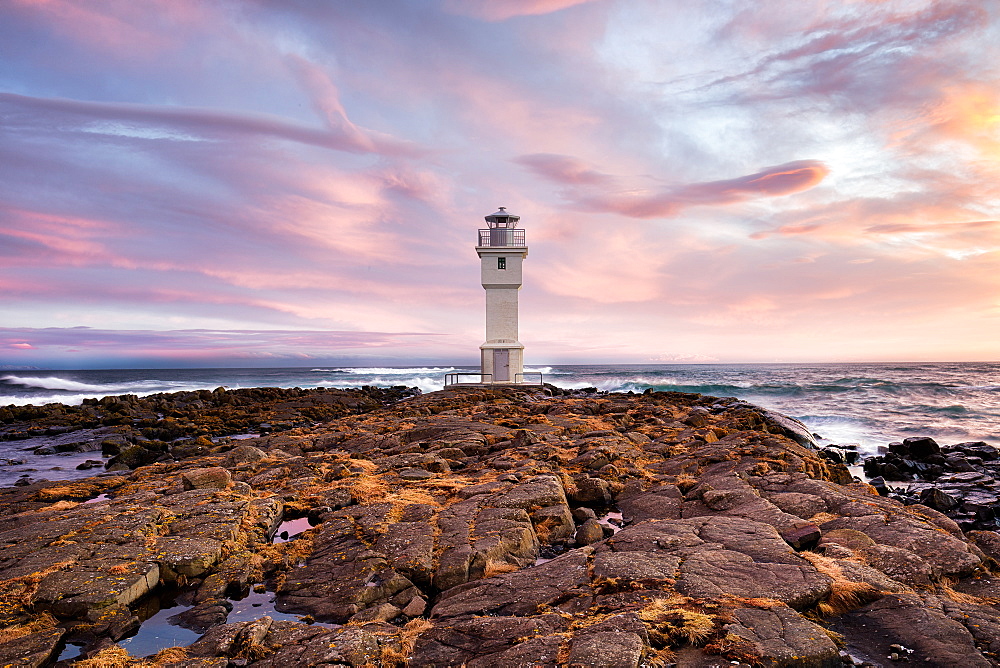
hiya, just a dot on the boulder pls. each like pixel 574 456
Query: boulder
pixel 244 454
pixel 213 477
pixel 606 649
pixel 589 532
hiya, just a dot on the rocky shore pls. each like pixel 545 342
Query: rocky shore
pixel 134 430
pixel 492 528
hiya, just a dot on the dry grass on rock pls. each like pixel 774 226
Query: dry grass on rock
pixel 109 657
pixel 669 624
pixel 40 623
pixel 398 654
pixel 845 595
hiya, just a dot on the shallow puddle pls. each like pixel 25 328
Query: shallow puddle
pixel 261 604
pixel 157 633
pixel 290 529
pixel 70 652
pixel 98 498
pixel 612 520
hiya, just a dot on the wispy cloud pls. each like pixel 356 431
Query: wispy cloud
pixel 708 180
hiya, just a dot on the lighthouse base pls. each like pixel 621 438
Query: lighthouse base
pixel 502 364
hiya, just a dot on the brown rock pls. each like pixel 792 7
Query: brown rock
pixel 244 454
pixel 190 557
pixel 33 650
pixel 589 532
pixel 468 638
pixel 214 477
pixel 944 553
pixel 803 537
pixel 904 619
pixel 779 636
pixel 518 593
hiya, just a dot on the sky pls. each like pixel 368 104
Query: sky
pixel 297 182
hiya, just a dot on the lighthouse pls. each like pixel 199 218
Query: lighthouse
pixel 502 249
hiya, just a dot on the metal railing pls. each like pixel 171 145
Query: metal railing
pixel 499 237
pixel 454 378
pixel 519 378
pixel 524 381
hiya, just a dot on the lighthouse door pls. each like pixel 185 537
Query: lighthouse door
pixel 501 364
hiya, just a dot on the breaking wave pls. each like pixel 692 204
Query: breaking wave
pixel 67 385
pixel 389 371
pixel 423 383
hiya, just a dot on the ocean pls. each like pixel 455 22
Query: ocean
pixel 865 404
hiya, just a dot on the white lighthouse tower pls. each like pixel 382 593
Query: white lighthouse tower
pixel 501 250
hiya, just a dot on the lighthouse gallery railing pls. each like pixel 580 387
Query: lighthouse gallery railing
pixel 499 237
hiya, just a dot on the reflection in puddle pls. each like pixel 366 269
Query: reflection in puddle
pixel 157 633
pixel 289 529
pixel 98 498
pixel 612 520
pixel 71 652
pixel 261 604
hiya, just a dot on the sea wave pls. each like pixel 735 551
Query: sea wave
pixel 388 371
pixel 76 399
pixel 423 383
pixel 642 383
pixel 547 371
pixel 67 385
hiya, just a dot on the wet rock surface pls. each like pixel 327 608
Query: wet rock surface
pixel 128 431
pixel 470 527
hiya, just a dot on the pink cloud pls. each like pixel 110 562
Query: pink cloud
pixel 326 102
pixel 206 123
pixel 492 10
pixel 937 228
pixel 218 344
pixel 776 181
pixel 563 169
pixel 129 29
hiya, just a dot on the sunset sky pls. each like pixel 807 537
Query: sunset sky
pixel 297 182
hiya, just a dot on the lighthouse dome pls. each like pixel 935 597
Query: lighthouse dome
pixel 502 219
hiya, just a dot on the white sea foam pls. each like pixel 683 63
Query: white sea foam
pixel 424 383
pixel 57 383
pixel 80 391
pixel 53 383
pixel 77 399
pixel 613 384
pixel 390 371
pixel 544 370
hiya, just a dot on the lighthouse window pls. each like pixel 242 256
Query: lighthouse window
pixel 501 263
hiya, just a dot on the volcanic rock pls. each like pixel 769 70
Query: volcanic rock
pixel 459 528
